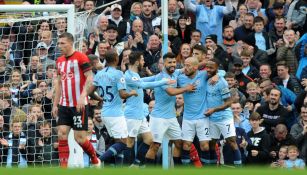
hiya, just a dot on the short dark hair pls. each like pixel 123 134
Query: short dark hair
pixel 255 116
pixel 196 30
pixel 276 90
pixel 134 57
pixel 226 27
pixel 67 35
pixel 282 63
pixel 230 75
pixel 216 61
pixel 169 55
pixel 111 56
pixel 201 48
pixel 258 19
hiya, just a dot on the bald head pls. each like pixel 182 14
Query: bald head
pixel 193 61
pixel 190 66
pixel 137 26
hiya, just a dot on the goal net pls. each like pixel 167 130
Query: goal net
pixel 28 50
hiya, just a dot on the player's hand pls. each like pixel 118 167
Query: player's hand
pixel 243 144
pixel 170 81
pixel 81 103
pixel 55 111
pixel 133 93
pixel 214 80
pixel 190 88
pixel 209 112
pixel 254 153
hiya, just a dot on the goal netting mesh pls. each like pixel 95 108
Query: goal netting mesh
pixel 28 50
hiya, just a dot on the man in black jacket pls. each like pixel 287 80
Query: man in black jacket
pixel 273 113
pixel 219 53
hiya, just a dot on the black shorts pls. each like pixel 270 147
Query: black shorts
pixel 70 117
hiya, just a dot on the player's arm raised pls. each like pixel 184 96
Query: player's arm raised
pixel 175 91
pixel 124 95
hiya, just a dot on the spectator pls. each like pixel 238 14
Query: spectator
pixel 262 39
pixel 249 70
pixel 173 36
pixel 153 51
pixel 258 150
pixel 219 53
pixel 247 28
pixel 280 137
pixel 98 143
pixel 277 32
pixel 294 162
pixel 299 132
pixel 241 116
pixel 229 44
pixel 196 38
pixel 138 38
pixel 184 28
pixel 286 79
pixel 273 113
pixel 148 17
pixel 47 145
pixel 286 53
pixel 184 52
pixel 135 11
pixel 296 17
pixel 282 156
pixel 123 27
pixel 209 17
pixel 242 79
pixel 238 22
pixel 14 146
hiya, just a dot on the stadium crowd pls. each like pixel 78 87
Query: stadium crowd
pixel 259 47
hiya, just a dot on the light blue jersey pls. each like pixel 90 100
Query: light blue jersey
pixel 134 105
pixel 298 163
pixel 110 80
pixel 194 101
pixel 216 94
pixel 165 104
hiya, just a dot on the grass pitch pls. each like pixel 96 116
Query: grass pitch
pixel 152 171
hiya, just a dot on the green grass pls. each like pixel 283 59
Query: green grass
pixel 151 171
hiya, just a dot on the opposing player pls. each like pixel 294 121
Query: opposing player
pixel 218 101
pixel 194 107
pixel 112 85
pixel 70 102
pixel 163 120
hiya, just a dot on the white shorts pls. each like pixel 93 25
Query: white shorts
pixel 116 126
pixel 136 127
pixel 224 127
pixel 161 127
pixel 199 127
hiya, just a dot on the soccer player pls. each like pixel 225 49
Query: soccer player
pixel 163 120
pixel 112 85
pixel 218 101
pixel 136 121
pixel 70 102
pixel 194 108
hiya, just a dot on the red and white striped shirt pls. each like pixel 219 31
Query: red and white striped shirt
pixel 71 69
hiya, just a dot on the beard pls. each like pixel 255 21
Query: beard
pixel 170 69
